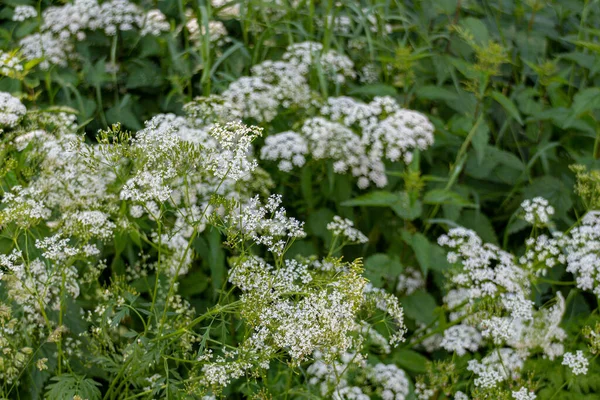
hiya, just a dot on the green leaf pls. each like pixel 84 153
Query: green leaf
pixel 376 198
pixel 374 89
pixel 399 202
pixel 586 100
pixel 380 266
pixel 420 306
pixel 67 386
pixel 143 73
pixel 216 259
pixel 477 28
pixel 410 360
pixel 480 140
pixel 430 92
pixel 317 223
pixel 508 105
pixel 478 222
pixel 421 247
pixel 444 196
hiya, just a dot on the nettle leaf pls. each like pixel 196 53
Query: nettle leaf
pixel 374 89
pixel 317 223
pixel 420 306
pixel 429 255
pixel 478 222
pixel 143 73
pixel 67 386
pixel 508 105
pixel 380 266
pixel 586 100
pixel 399 202
pixel 445 196
pixel 410 360
pixel 430 92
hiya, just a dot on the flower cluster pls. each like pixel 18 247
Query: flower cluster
pixel 357 137
pixel 344 228
pixel 22 12
pixel 11 110
pixel 266 225
pixel 61 25
pixel 351 377
pixel 576 362
pixel 537 211
pixel 583 253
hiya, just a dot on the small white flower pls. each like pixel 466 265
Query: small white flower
pixel 576 362
pixel 524 394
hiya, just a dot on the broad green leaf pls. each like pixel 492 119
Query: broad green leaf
pixel 508 105
pixel 475 220
pixel 420 306
pixel 374 89
pixel 399 202
pixel 380 266
pixel 586 100
pixel 444 196
pixel 410 360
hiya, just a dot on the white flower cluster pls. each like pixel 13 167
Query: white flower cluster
pixel 284 84
pixel 306 54
pixel 498 366
pixel 62 24
pixel 11 110
pixel 289 310
pixel 387 381
pixel 460 339
pixel 36 283
pixel 524 394
pixel 538 211
pixel 23 12
pixel 389 304
pixel 289 147
pixel 357 137
pixel 266 225
pixel 576 362
pixel 52 49
pixel 344 228
pixel 583 253
pixel 487 273
pixel 543 253
pixel 409 281
pixel 217 33
pixel 10 64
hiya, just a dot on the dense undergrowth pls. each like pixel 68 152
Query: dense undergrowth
pixel 296 199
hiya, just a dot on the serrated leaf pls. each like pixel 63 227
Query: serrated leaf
pixel 399 202
pixel 420 306
pixel 586 100
pixel 410 360
pixel 508 105
pixel 444 196
pixel 67 386
pixel 380 266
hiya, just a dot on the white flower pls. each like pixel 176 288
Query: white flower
pixel 23 12
pixel 537 211
pixel 344 228
pixel 576 362
pixel 460 338
pixel 410 281
pixel 524 394
pixel 154 23
pixel 11 110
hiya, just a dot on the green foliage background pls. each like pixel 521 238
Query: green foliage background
pixel 512 87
